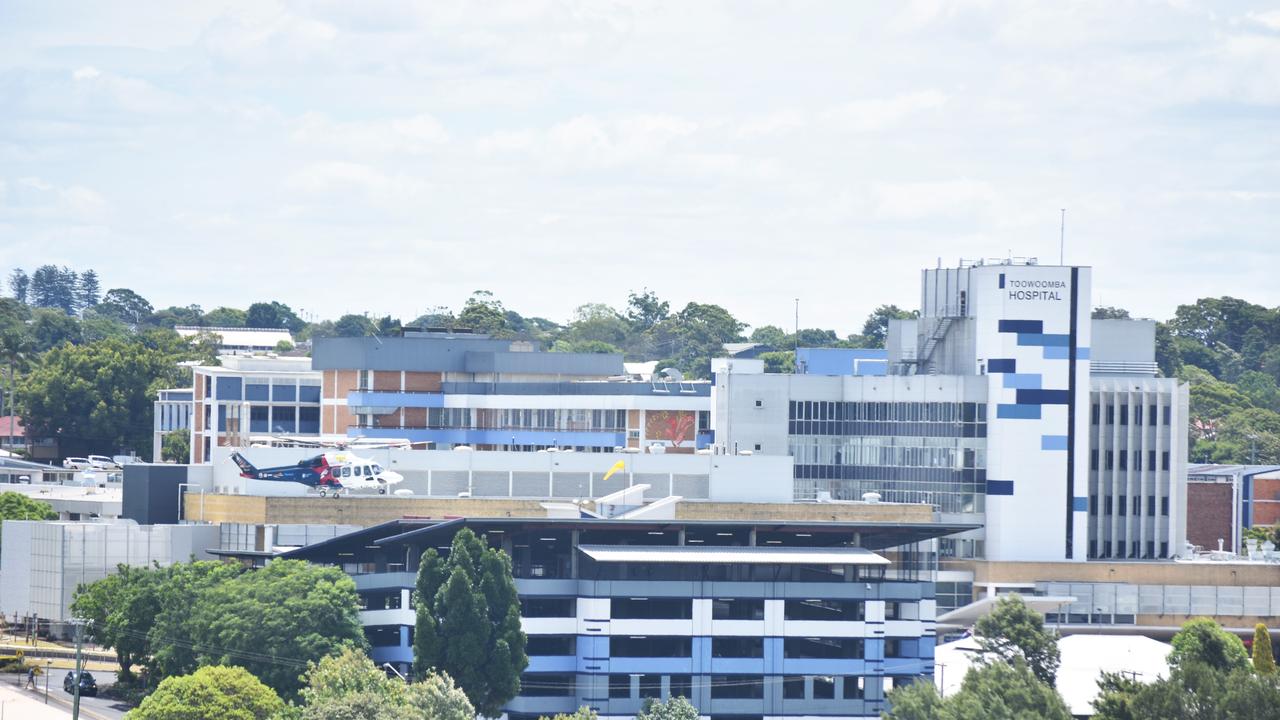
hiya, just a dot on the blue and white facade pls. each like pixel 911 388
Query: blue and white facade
pixel 766 620
pixel 1028 328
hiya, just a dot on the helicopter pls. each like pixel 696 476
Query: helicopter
pixel 330 472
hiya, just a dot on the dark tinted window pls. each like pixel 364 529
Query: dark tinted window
pixel 552 645
pixel 815 609
pixel 548 607
pixel 651 608
pixel 737 609
pixel 822 648
pixel 663 646
pixel 737 647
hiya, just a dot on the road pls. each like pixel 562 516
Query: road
pixel 91 708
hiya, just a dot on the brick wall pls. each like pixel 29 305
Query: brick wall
pixel 1209 514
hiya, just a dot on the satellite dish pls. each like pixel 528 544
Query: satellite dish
pixel 672 374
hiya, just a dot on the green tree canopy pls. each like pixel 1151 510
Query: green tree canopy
pixel 348 686
pixel 468 622
pixel 1202 640
pixel 675 708
pixel 645 310
pixel 484 313
pixel 994 691
pixel 224 317
pixel 16 506
pixel 176 446
pixel 126 306
pixel 276 618
pixel 210 693
pixel 1264 660
pixel 97 398
pixel 1014 630
pixel 876 328
pixel 1107 312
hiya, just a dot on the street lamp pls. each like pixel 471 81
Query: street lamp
pixel 48 670
pixel 393 669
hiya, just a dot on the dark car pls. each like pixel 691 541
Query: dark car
pixel 88 686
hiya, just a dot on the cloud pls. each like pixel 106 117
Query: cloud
pixel 88 72
pixel 413 135
pixel 870 115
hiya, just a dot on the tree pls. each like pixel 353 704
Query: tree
pixel 224 317
pixel 16 506
pixel 1264 661
pixel 89 289
pixel 779 362
pixel 348 686
pixel 597 322
pixel 582 713
pixel 211 693
pixel 121 607
pixel 468 622
pixel 126 306
pixel 169 633
pixel 771 335
pixel 96 397
pixel 995 690
pixel 645 310
pixel 271 619
pixel 351 325
pixel 176 446
pixel 1116 693
pixel 174 315
pixel 1202 640
pixel 876 328
pixel 1110 313
pixel 484 313
pixel 19 284
pixel 273 315
pixel 44 286
pixel 1014 630
pixel 51 327
pixel 585 346
pixel 676 708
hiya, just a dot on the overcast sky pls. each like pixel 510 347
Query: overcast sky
pixel 350 156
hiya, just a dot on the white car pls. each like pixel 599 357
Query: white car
pixel 77 463
pixel 102 462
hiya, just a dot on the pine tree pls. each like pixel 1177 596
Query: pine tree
pixel 19 283
pixel 1264 662
pixel 468 622
pixel 68 290
pixel 90 290
pixel 44 286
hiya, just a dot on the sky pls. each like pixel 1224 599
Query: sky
pixel 389 157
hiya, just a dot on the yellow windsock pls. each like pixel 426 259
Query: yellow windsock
pixel 617 467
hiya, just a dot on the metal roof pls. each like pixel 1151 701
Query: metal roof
pixel 727 555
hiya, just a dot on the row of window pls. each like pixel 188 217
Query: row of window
pixel 721 609
pixel 823 687
pixel 1133 549
pixel 949 454
pixel 941 412
pixel 1153 413
pixel 558 419
pixel 1110 458
pixel 1129 506
pixel 282 390
pixel 892 429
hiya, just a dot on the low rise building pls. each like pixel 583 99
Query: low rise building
pixel 1226 500
pixel 249 395
pixel 743 618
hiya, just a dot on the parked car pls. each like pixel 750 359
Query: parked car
pixel 88 686
pixel 102 462
pixel 77 463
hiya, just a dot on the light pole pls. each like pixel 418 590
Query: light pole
pixel 48 670
pixel 393 669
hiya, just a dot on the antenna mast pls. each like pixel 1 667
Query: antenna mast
pixel 1062 239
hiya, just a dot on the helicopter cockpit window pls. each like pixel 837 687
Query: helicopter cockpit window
pixel 377 469
pixel 346 472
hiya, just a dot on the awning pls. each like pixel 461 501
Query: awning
pixel 969 614
pixel 726 555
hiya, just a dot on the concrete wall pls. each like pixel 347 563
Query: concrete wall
pixel 367 511
pixel 443 473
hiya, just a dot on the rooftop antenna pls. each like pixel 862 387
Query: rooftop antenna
pixel 1062 239
pixel 797 343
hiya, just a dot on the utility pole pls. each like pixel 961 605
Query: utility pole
pixel 797 338
pixel 1062 239
pixel 75 702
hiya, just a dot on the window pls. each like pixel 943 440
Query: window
pixel 651 609
pixel 536 607
pixel 551 685
pixel 757 447
pixel 1164 458
pixel 853 688
pixel 893 648
pixel 619 687
pixel 892 611
pixel 824 687
pixel 822 648
pixel 737 609
pixel 552 645
pixel 309 393
pixel 1124 504
pixel 750 687
pixel 680 686
pixel 383 635
pixel 824 610
pixel 793 687
pixel 1137 459
pixel 1137 415
pixel 1093 504
pixel 1164 506
pixel 1108 505
pixel 1124 414
pixel 1151 459
pixel 257 392
pixel 759 403
pixel 1111 414
pixel 1093 459
pixel 1093 415
pixel 283 419
pixel 737 647
pixel 1167 415
pixel 1151 505
pixel 1110 459
pixel 1124 460
pixel 1136 506
pixel 284 393
pixel 663 646
pixel 651 686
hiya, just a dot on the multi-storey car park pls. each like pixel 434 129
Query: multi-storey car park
pixel 747 619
